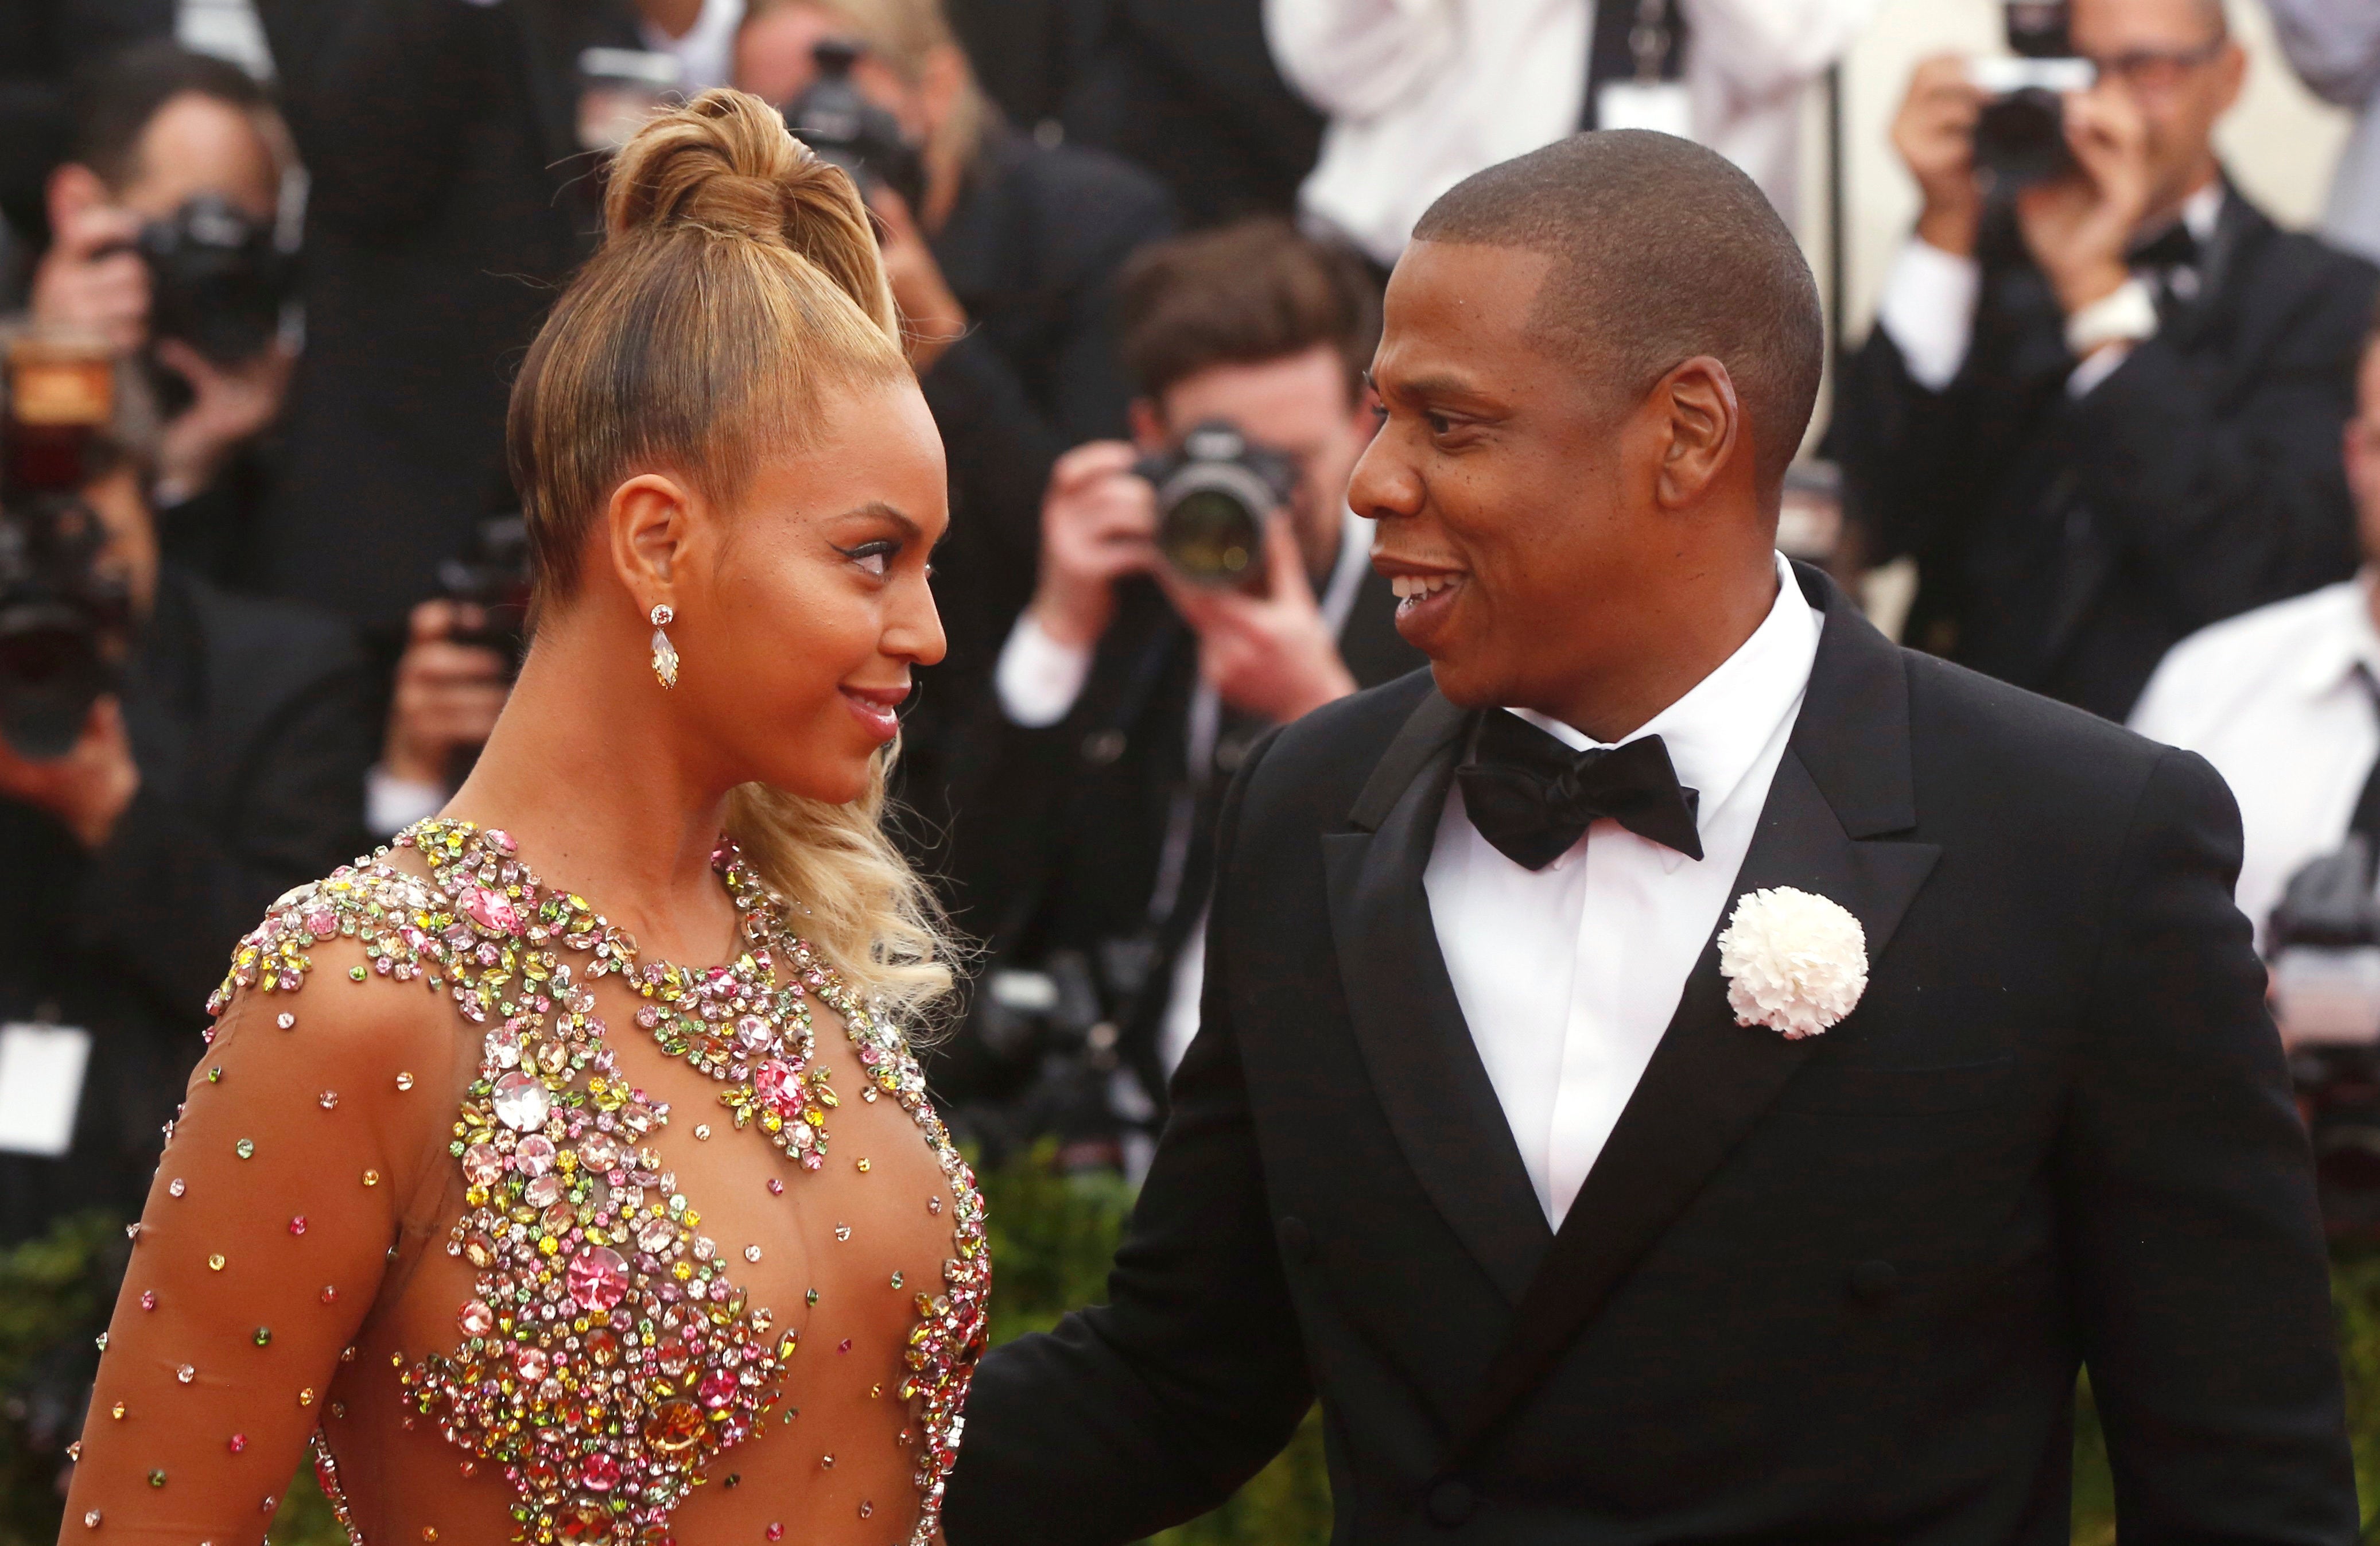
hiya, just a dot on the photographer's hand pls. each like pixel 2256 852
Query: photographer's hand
pixel 932 316
pixel 2078 227
pixel 1934 133
pixel 448 695
pixel 86 789
pixel 91 281
pixel 1270 655
pixel 229 404
pixel 1098 524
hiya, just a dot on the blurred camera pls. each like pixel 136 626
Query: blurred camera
pixel 493 574
pixel 2020 134
pixel 1214 493
pixel 2322 943
pixel 65 616
pixel 834 118
pixel 217 281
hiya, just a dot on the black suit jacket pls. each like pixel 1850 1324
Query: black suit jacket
pixel 2065 544
pixel 1829 1290
pixel 449 202
pixel 248 722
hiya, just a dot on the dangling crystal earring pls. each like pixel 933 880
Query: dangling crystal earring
pixel 664 653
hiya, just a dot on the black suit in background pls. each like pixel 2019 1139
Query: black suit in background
pixel 2065 544
pixel 1059 834
pixel 42 45
pixel 1831 1290
pixel 448 201
pixel 249 724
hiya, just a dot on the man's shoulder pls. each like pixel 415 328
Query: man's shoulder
pixel 1320 764
pixel 1083 191
pixel 284 641
pixel 2202 679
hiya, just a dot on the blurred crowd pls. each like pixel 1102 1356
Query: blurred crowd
pixel 265 267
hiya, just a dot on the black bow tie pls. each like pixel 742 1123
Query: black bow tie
pixel 2173 247
pixel 1532 797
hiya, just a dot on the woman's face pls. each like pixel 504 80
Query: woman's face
pixel 798 626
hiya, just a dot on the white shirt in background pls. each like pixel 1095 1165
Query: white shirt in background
pixel 707 53
pixel 2273 699
pixel 1421 94
pixel 1568 976
pixel 1929 305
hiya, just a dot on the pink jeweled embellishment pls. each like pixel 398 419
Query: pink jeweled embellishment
pixel 476 1319
pixel 532 1363
pixel 778 1087
pixel 596 1279
pixel 598 1473
pixel 717 1388
pixel 322 922
pixel 483 1164
pixel 522 1101
pixel 533 1156
pixel 492 911
pixel 148 1298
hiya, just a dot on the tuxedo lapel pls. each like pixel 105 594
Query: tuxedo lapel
pixel 1401 1000
pixel 1843 782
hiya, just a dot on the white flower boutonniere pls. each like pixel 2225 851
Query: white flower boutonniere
pixel 1794 962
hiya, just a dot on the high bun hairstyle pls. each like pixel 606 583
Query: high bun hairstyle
pixel 738 285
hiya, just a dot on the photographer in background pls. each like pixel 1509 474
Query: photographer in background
pixel 224 767
pixel 1128 691
pixel 2101 408
pixel 162 222
pixel 1002 259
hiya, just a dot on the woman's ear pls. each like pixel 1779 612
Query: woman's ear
pixel 1705 429
pixel 650 524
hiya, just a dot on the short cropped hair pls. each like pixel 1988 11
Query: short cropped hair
pixel 118 96
pixel 1662 250
pixel 1249 292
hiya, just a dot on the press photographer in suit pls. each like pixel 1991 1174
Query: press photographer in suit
pixel 1127 694
pixel 2104 412
pixel 1687 1068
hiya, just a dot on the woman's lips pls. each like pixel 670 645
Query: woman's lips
pixel 876 709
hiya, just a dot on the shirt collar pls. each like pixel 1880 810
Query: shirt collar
pixel 2330 658
pixel 2202 210
pixel 1719 728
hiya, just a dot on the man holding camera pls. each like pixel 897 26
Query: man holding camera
pixel 2102 401
pixel 163 246
pixel 1164 635
pixel 223 768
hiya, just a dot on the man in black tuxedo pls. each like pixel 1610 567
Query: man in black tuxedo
pixel 1086 780
pixel 1473 1143
pixel 2105 412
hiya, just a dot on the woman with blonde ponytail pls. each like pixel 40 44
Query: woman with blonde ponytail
pixel 561 1172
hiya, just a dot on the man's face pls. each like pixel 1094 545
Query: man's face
pixel 197 145
pixel 2363 453
pixel 774 62
pixel 1496 479
pixel 2172 58
pixel 1299 405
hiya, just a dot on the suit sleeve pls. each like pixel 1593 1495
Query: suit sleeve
pixel 2231 499
pixel 1152 1409
pixel 1897 441
pixel 2202 1289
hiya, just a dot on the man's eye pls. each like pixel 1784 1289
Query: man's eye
pixel 1439 424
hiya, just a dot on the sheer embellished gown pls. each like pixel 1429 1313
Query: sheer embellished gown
pixel 535 1239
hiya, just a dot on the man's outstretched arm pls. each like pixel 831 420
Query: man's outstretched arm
pixel 1152 1409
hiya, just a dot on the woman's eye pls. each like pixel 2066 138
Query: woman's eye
pixel 876 558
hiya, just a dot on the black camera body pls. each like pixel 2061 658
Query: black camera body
pixel 2322 943
pixel 65 621
pixel 217 281
pixel 493 574
pixel 1215 491
pixel 2020 134
pixel 834 118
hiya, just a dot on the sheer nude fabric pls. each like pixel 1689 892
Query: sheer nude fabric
pixel 293 1261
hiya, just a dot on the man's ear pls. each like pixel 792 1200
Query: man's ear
pixel 73 188
pixel 1703 430
pixel 650 523
pixel 1147 422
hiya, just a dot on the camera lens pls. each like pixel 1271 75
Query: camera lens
pixel 1211 536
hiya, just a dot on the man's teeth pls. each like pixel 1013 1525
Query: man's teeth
pixel 1406 587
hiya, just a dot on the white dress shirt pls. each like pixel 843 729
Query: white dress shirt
pixel 1929 305
pixel 1421 94
pixel 2272 698
pixel 1568 976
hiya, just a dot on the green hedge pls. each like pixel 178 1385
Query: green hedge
pixel 1051 1237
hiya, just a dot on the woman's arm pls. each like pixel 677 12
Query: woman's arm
pixel 313 1118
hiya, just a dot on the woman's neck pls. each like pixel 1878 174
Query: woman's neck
pixel 581 771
